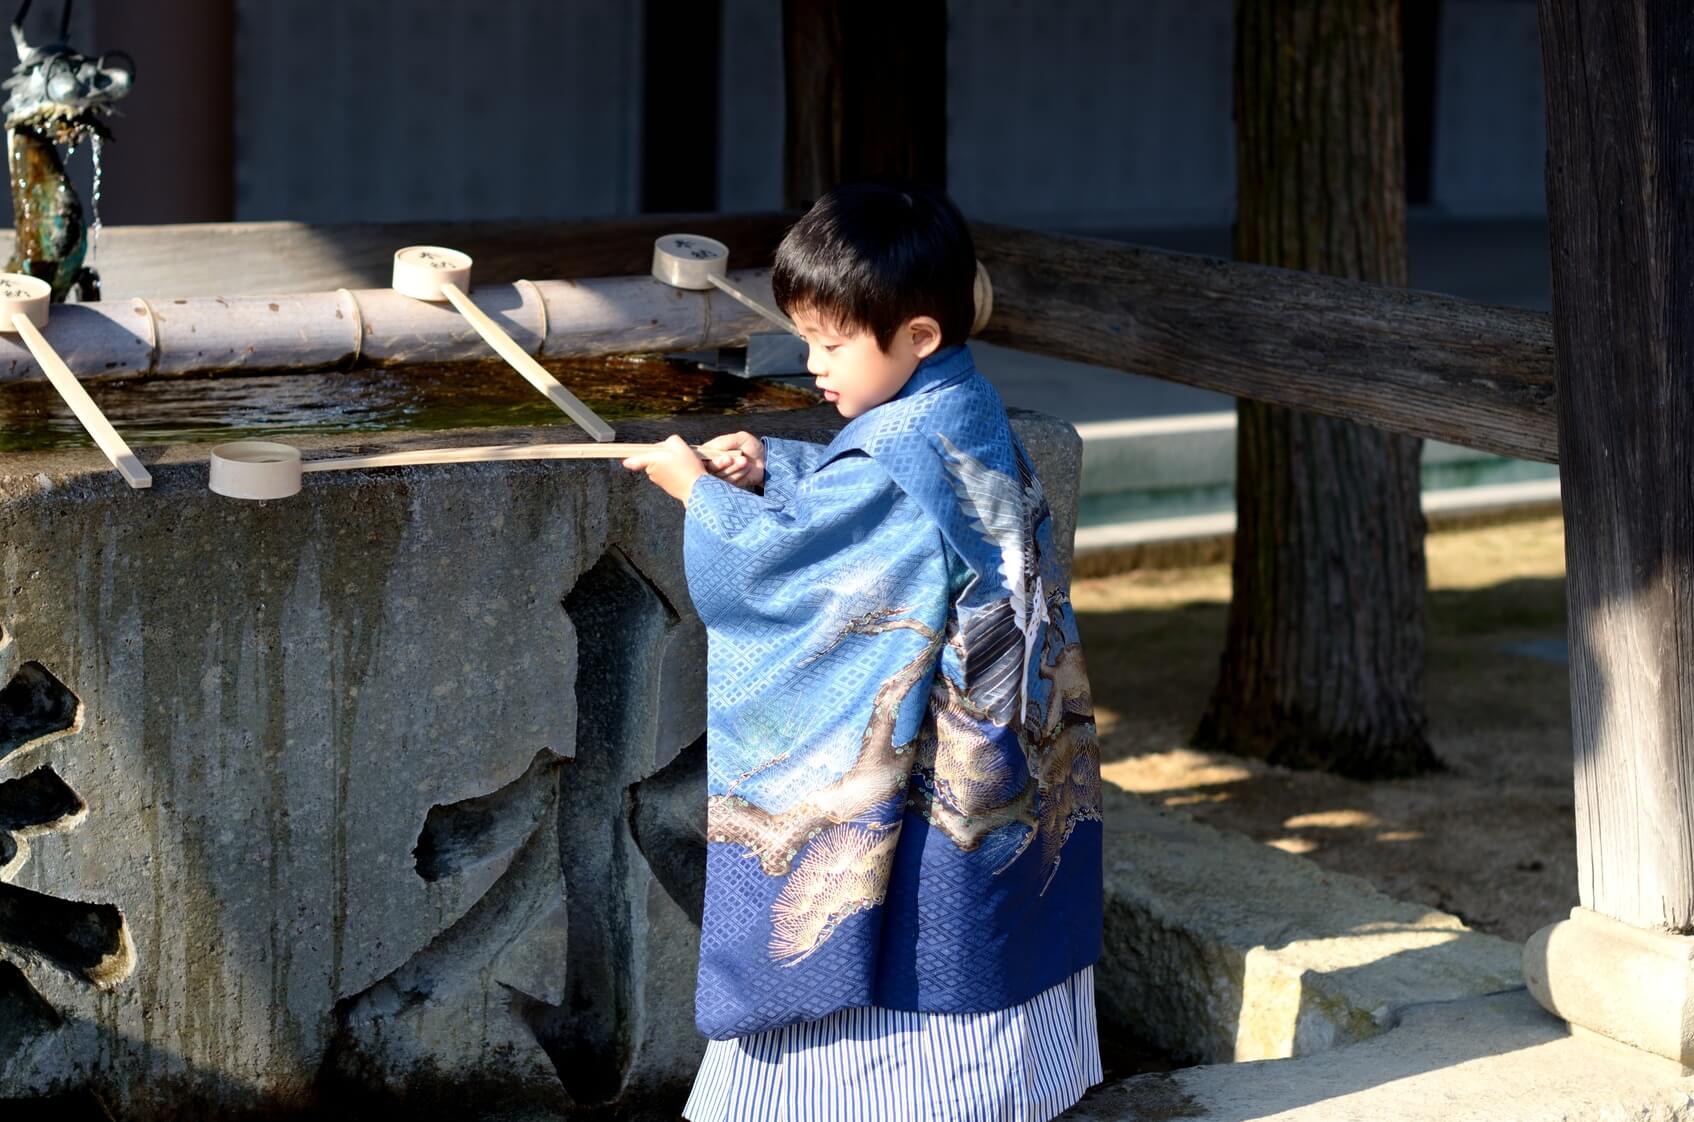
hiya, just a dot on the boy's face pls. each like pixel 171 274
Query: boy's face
pixel 854 373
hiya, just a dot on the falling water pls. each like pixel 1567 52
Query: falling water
pixel 94 223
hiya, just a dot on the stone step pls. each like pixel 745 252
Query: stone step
pixel 1498 1058
pixel 1220 948
pixel 1336 1002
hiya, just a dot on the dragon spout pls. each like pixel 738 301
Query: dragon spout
pixel 56 96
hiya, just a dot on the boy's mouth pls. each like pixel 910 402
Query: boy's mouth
pixel 831 395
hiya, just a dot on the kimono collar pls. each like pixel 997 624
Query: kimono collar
pixel 951 366
pixel 942 368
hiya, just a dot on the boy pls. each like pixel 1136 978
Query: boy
pixel 903 886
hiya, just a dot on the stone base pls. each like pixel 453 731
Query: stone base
pixel 1483 1059
pixel 1220 948
pixel 1617 981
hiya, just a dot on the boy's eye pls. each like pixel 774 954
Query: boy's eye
pixel 830 346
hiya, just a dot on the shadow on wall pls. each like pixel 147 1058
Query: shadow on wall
pixel 560 1026
pixel 208 1094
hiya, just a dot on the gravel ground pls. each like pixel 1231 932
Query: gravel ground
pixel 1491 839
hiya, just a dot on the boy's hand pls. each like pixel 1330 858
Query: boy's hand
pixel 672 465
pixel 737 458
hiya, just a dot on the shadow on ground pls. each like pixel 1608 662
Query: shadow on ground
pixel 1491 839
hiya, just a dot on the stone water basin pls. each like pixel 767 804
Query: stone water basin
pixel 381 798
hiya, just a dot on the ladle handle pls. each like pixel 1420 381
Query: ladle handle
pixel 485 452
pixel 81 404
pixel 520 360
pixel 771 314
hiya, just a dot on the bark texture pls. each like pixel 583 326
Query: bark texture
pixel 1323 665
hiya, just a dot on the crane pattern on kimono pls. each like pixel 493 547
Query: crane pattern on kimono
pixel 965 789
pixel 999 639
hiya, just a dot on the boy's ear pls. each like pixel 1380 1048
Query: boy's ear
pixel 925 333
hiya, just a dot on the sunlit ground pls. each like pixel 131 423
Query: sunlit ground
pixel 1491 839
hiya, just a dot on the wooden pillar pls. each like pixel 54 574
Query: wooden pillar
pixel 679 114
pixel 1420 53
pixel 1620 195
pixel 866 88
pixel 1620 192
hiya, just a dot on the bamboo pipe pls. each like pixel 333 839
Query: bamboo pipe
pixel 378 326
pixel 322 330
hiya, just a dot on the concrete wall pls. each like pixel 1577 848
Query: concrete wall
pixel 391 791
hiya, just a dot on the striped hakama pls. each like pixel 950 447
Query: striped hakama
pixel 1027 1063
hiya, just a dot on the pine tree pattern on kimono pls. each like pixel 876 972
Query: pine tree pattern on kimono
pixel 903 780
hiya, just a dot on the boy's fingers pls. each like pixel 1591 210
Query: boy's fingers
pixel 738 442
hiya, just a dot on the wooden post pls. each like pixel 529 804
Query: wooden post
pixel 1620 195
pixel 1420 39
pixel 679 111
pixel 866 93
pixel 173 154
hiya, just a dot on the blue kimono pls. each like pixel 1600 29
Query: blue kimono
pixel 903 781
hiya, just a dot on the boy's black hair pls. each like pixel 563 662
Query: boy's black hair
pixel 870 256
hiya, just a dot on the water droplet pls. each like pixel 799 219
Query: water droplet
pixel 94 224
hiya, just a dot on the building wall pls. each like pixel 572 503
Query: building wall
pixel 1490 120
pixel 1070 114
pixel 367 110
pixel 1076 113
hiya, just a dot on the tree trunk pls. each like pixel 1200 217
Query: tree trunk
pixel 866 93
pixel 1323 665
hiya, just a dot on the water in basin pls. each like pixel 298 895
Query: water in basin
pixel 230 406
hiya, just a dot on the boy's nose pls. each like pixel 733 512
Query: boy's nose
pixel 814 361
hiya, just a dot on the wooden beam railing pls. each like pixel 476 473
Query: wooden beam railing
pixel 1413 362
